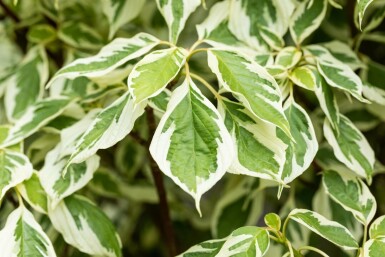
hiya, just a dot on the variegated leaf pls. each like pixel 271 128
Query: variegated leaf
pixel 80 35
pixel 304 76
pixel 14 169
pixel 245 241
pixel 76 175
pixel 336 73
pixel 344 53
pixel 32 191
pixel 375 19
pixel 110 126
pixel 26 85
pixel 160 101
pixel 374 87
pixel 352 194
pixel 306 19
pixel 176 13
pixel 111 56
pixel 192 128
pixel 330 230
pixel 41 33
pixel 288 57
pixel 22 236
pixel 300 152
pixel 34 118
pixel 374 248
pixel 351 147
pixel 153 73
pixel 273 221
pixel 86 227
pixel 120 12
pixel 251 83
pixel 259 152
pixel 361 7
pixel 377 228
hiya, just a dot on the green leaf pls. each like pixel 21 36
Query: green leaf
pixel 34 194
pixel 34 118
pixel 288 57
pixel 361 7
pixel 192 127
pixel 374 88
pixel 251 83
pixel 244 241
pixel 160 101
pixel 377 228
pixel 259 152
pixel 336 73
pixel 22 236
pixel 344 53
pixel 154 72
pixel 120 12
pixel 176 13
pixel 351 147
pixel 306 19
pixel 273 221
pixel 14 169
pixel 375 19
pixel 352 194
pixel 305 76
pixel 300 153
pixel 330 230
pixel 84 226
pixel 110 126
pixel 80 35
pixel 26 85
pixel 110 57
pixel 374 248
pixel 41 34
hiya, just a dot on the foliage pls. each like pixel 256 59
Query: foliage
pixel 110 109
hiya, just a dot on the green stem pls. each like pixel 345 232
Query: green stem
pixel 206 84
pixel 364 238
pixel 310 248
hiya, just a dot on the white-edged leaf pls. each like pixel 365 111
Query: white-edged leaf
pixel 251 83
pixel 176 13
pixel 14 169
pixel 361 7
pixel 110 126
pixel 300 153
pixel 160 101
pixel 336 73
pixel 375 19
pixel 41 33
pixel 22 236
pixel 32 191
pixel 110 57
pixel 351 147
pixel 307 18
pixel 244 241
pixel 288 57
pixel 377 228
pixel 351 193
pixel 26 85
pixel 259 152
pixel 120 12
pixel 374 248
pixel 34 118
pixel 191 144
pixel 153 73
pixel 80 35
pixel 344 53
pixel 374 87
pixel 304 76
pixel 84 226
pixel 76 175
pixel 330 230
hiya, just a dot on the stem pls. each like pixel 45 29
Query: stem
pixel 284 226
pixel 364 238
pixel 9 12
pixel 206 84
pixel 168 229
pixel 310 248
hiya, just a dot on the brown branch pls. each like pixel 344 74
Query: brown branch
pixel 9 12
pixel 168 229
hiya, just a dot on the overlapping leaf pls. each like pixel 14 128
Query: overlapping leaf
pixel 34 194
pixel 251 83
pixel 377 228
pixel 306 19
pixel 288 57
pixel 176 13
pixel 374 248
pixel 86 227
pixel 259 152
pixel 14 169
pixel 80 35
pixel 111 56
pixel 352 194
pixel 22 236
pixel 26 85
pixel 361 7
pixel 191 144
pixel 153 73
pixel 330 230
pixel 245 241
pixel 344 53
pixel 351 147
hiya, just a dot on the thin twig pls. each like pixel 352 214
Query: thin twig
pixel 168 229
pixel 9 12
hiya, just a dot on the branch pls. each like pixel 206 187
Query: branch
pixel 9 12
pixel 168 229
